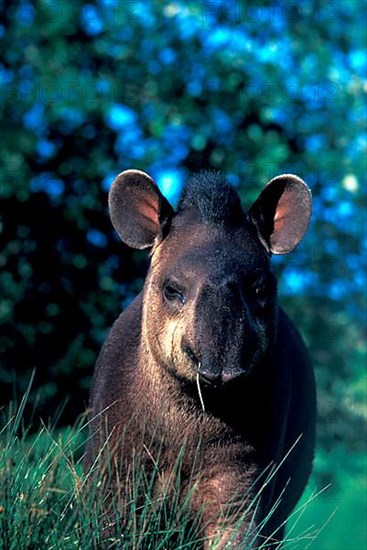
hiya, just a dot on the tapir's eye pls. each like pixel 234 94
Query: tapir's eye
pixel 259 290
pixel 260 296
pixel 264 290
pixel 172 293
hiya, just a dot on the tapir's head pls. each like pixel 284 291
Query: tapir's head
pixel 210 298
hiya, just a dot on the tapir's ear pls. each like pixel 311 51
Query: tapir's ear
pixel 282 213
pixel 138 210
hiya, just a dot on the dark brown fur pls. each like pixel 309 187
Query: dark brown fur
pixel 220 319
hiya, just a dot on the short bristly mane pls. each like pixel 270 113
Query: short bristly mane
pixel 217 201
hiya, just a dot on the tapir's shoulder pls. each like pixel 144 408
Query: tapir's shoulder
pixel 297 367
pixel 119 354
pixel 294 364
pixel 290 342
pixel 126 330
pixel 294 369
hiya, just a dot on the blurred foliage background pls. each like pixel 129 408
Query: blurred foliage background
pixel 88 89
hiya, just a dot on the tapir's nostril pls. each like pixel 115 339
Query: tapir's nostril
pixel 227 376
pixel 208 375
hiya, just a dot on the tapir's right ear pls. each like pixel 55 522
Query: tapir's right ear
pixel 138 210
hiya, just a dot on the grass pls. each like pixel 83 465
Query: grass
pixel 43 504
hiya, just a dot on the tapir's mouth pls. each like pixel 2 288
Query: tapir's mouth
pixel 214 382
pixel 223 377
pixel 211 376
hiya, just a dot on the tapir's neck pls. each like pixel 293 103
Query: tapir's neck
pixel 175 409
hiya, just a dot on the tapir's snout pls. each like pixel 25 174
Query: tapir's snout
pixel 211 371
pixel 222 342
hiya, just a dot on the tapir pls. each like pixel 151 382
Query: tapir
pixel 205 358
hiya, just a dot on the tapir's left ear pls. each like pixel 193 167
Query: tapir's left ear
pixel 138 210
pixel 282 213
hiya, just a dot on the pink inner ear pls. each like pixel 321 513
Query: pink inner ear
pixel 283 211
pixel 147 209
pixel 290 221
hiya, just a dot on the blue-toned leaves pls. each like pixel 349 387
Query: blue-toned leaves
pixel 170 182
pixel 119 116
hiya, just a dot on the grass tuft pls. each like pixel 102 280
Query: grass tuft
pixel 44 502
